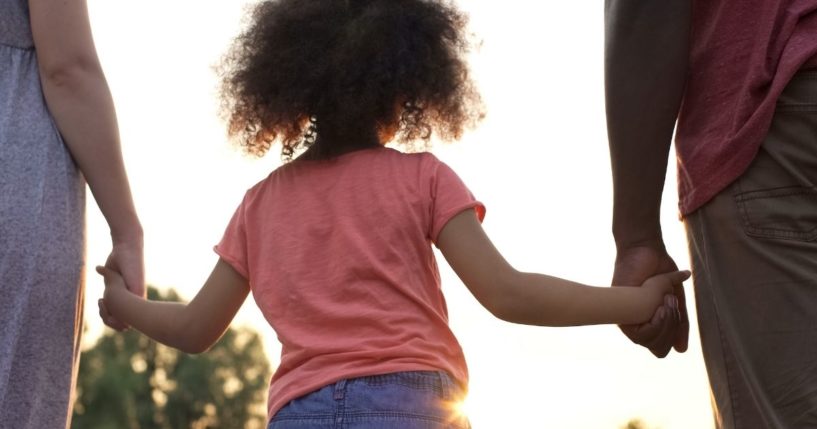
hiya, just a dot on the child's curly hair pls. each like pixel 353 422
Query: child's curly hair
pixel 334 72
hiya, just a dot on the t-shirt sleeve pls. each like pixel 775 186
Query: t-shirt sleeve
pixel 233 245
pixel 449 197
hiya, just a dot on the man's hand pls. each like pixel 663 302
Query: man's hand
pixel 668 328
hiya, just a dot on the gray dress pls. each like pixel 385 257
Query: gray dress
pixel 42 237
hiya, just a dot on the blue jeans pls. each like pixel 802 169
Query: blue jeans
pixel 400 400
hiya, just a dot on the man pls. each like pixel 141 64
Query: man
pixel 736 74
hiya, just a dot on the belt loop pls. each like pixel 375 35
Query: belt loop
pixel 445 384
pixel 340 389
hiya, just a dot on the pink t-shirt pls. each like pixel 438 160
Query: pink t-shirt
pixel 338 256
pixel 743 52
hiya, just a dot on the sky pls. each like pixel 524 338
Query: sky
pixel 539 162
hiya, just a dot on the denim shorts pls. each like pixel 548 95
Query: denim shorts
pixel 400 400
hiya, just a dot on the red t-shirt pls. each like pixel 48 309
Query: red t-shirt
pixel 338 256
pixel 743 52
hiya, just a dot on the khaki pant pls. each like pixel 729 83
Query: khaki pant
pixel 754 259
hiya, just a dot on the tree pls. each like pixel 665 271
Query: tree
pixel 127 381
pixel 635 424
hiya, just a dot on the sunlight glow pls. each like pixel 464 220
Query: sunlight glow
pixel 539 162
pixel 462 408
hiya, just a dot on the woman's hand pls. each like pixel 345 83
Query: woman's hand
pixel 114 285
pixel 127 259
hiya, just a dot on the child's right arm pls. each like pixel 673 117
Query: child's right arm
pixel 537 299
pixel 192 327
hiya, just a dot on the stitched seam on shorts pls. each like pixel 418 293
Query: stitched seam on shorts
pixel 729 370
pixel 325 419
pixel 775 193
pixel 726 366
pixel 411 381
pixel 784 234
pixel 352 416
pixel 340 395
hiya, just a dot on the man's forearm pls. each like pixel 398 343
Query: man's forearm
pixel 646 58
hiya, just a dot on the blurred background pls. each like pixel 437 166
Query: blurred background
pixel 539 162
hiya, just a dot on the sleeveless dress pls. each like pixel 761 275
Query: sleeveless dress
pixel 42 240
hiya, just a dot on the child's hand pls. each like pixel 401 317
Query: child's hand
pixel 114 287
pixel 660 289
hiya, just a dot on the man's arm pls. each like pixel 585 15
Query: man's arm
pixel 646 58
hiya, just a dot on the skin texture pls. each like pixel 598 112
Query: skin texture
pixel 78 97
pixel 191 328
pixel 538 299
pixel 517 297
pixel 646 56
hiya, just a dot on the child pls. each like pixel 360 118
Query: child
pixel 335 245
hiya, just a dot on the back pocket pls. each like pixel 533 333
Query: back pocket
pixel 788 213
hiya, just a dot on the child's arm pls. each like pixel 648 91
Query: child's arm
pixel 191 328
pixel 537 299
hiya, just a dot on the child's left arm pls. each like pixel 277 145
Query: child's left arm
pixel 191 328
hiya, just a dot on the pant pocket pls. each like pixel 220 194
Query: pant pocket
pixel 788 213
pixel 777 195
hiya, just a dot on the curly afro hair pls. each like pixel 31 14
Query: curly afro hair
pixel 333 74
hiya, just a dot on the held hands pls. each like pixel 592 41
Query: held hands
pixel 127 262
pixel 669 326
pixel 127 259
pixel 660 289
pixel 114 288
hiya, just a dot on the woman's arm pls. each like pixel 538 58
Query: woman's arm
pixel 78 97
pixel 537 299
pixel 191 328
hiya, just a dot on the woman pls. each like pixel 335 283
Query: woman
pixel 57 130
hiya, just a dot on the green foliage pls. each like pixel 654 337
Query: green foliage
pixel 635 424
pixel 127 381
